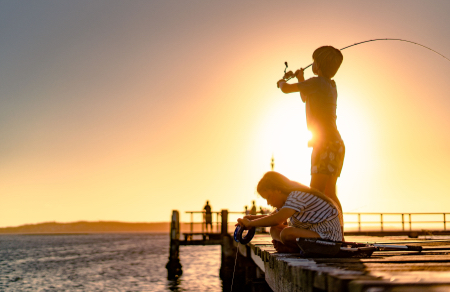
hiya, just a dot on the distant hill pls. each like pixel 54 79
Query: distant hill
pixel 87 227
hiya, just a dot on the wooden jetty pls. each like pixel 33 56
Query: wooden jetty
pixel 260 268
pixel 428 270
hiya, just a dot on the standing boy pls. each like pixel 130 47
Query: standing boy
pixel 320 96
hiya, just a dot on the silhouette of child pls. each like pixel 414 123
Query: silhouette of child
pixel 320 97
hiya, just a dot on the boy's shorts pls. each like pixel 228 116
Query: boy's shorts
pixel 328 158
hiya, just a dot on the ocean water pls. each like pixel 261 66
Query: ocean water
pixel 103 262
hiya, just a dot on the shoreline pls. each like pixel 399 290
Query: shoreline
pixel 90 227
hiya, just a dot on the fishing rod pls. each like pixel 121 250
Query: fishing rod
pixel 289 75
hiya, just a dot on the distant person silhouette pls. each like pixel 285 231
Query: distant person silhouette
pixel 261 210
pixel 253 211
pixel 246 211
pixel 208 216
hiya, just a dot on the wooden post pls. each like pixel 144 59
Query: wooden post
pixel 445 222
pixel 217 222
pixel 228 250
pixel 173 266
pixel 359 222
pixel 403 222
pixel 203 221
pixel 381 221
pixel 224 222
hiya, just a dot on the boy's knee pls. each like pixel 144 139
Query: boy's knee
pixel 287 235
pixel 275 231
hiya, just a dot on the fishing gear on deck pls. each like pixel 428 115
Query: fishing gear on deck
pixel 238 232
pixel 289 75
pixel 313 247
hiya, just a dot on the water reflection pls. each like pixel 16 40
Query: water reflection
pixel 103 262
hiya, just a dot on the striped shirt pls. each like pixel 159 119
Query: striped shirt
pixel 314 214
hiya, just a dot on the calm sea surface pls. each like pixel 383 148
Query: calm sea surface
pixel 103 262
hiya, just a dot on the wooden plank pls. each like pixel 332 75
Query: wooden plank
pixel 390 259
pixel 415 276
pixel 201 242
pixel 385 286
pixel 257 260
pixel 394 267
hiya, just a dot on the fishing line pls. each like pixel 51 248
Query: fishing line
pixel 234 269
pixel 374 40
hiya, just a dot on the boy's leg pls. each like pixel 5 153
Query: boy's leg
pixel 290 234
pixel 284 237
pixel 319 181
pixel 327 185
pixel 326 165
pixel 288 237
pixel 275 231
pixel 330 189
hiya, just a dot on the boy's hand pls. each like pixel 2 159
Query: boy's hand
pixel 244 222
pixel 279 82
pixel 299 75
pixel 288 75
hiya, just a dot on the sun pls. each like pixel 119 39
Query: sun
pixel 287 136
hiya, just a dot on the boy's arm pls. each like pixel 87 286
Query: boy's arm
pixel 299 74
pixel 253 217
pixel 271 220
pixel 289 88
pixel 286 87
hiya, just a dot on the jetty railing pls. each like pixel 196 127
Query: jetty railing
pixel 397 221
pixel 353 222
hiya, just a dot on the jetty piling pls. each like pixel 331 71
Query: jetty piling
pixel 223 238
pixel 247 275
pixel 174 266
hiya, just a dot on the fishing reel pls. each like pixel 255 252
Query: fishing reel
pixel 238 232
pixel 287 75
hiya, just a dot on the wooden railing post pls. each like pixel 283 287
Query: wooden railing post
pixel 445 223
pixel 381 220
pixel 403 222
pixel 224 222
pixel 359 222
pixel 203 222
pixel 217 222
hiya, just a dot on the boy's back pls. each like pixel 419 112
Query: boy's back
pixel 320 96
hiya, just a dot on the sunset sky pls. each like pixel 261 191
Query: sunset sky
pixel 125 110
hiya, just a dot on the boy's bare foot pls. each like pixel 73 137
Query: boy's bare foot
pixel 282 248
